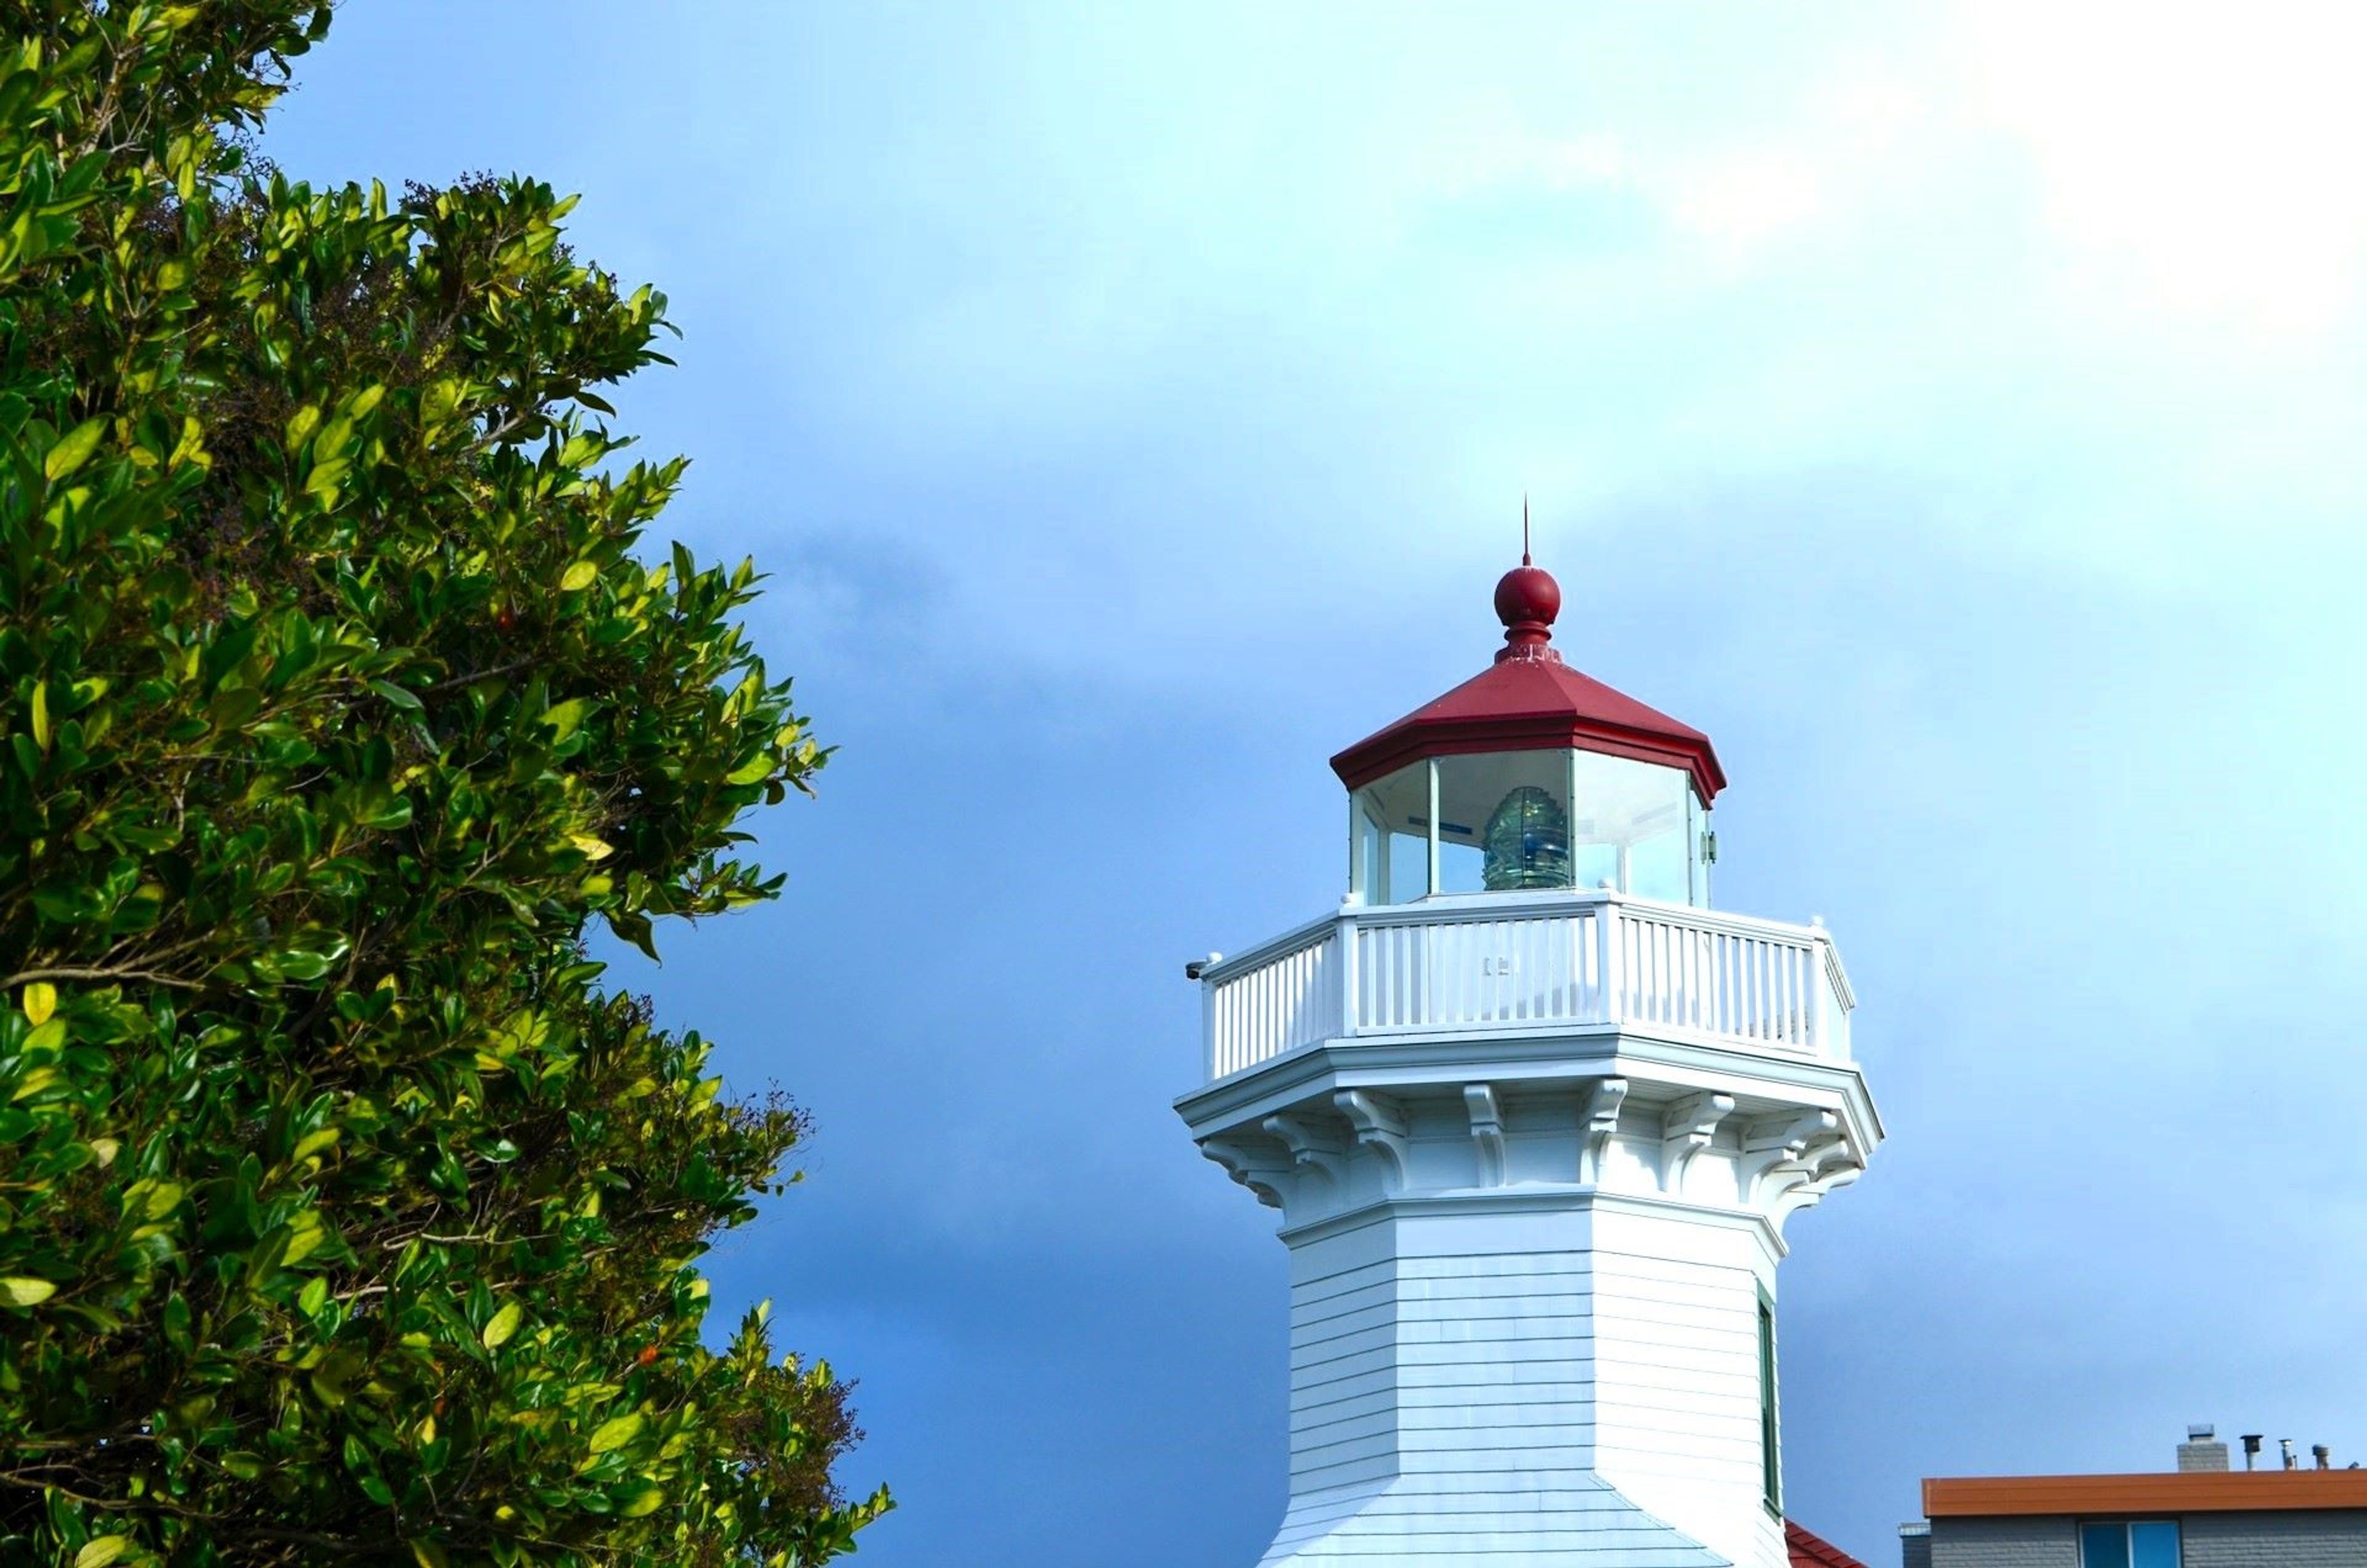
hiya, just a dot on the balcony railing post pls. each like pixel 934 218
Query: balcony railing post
pixel 1208 1029
pixel 1820 992
pixel 1344 937
pixel 1606 920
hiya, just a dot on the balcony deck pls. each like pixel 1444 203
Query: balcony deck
pixel 1540 962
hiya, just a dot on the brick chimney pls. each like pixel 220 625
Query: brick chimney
pixel 2200 1451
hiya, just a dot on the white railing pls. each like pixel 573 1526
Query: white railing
pixel 1523 961
pixel 1290 999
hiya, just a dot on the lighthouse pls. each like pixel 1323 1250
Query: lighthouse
pixel 1534 1114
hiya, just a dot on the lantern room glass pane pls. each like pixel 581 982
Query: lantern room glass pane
pixel 1504 821
pixel 1636 828
pixel 1697 861
pixel 1392 838
pixel 1516 821
pixel 1367 842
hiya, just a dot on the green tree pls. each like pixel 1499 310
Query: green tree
pixel 342 1211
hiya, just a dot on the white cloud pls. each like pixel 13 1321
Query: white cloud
pixel 1736 184
pixel 2206 155
pixel 1742 201
pixel 1528 160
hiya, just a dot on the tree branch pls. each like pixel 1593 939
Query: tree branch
pixel 109 973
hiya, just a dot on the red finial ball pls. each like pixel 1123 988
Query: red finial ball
pixel 1528 593
pixel 1527 600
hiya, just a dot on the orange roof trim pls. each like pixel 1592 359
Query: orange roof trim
pixel 2199 1492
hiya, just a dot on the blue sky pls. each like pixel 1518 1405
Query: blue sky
pixel 1954 410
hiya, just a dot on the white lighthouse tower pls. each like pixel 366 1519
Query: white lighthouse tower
pixel 1535 1115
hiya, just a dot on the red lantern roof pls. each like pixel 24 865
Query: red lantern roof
pixel 1530 701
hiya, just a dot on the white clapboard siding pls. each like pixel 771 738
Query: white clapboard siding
pixel 1458 1409
pixel 1342 1361
pixel 1677 1380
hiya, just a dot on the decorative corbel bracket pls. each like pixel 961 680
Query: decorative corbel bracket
pixel 1830 1165
pixel 1840 1173
pixel 1775 1145
pixel 1486 1132
pixel 1597 1121
pixel 1266 1174
pixel 1380 1124
pixel 1311 1147
pixel 1686 1129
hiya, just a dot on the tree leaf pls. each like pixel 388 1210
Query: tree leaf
pixel 297 964
pixel 100 1551
pixel 564 717
pixel 71 450
pixel 400 696
pixel 503 1324
pixel 19 1291
pixel 40 999
pixel 153 1198
pixel 616 1432
pixel 583 574
pixel 304 1241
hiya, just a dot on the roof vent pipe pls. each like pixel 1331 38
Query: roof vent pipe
pixel 2251 1441
pixel 2325 1457
pixel 2285 1449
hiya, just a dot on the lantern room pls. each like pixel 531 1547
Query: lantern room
pixel 1530 777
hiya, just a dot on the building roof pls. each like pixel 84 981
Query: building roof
pixel 1530 701
pixel 1811 1550
pixel 2191 1492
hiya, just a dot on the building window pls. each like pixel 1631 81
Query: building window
pixel 2129 1543
pixel 1770 1458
